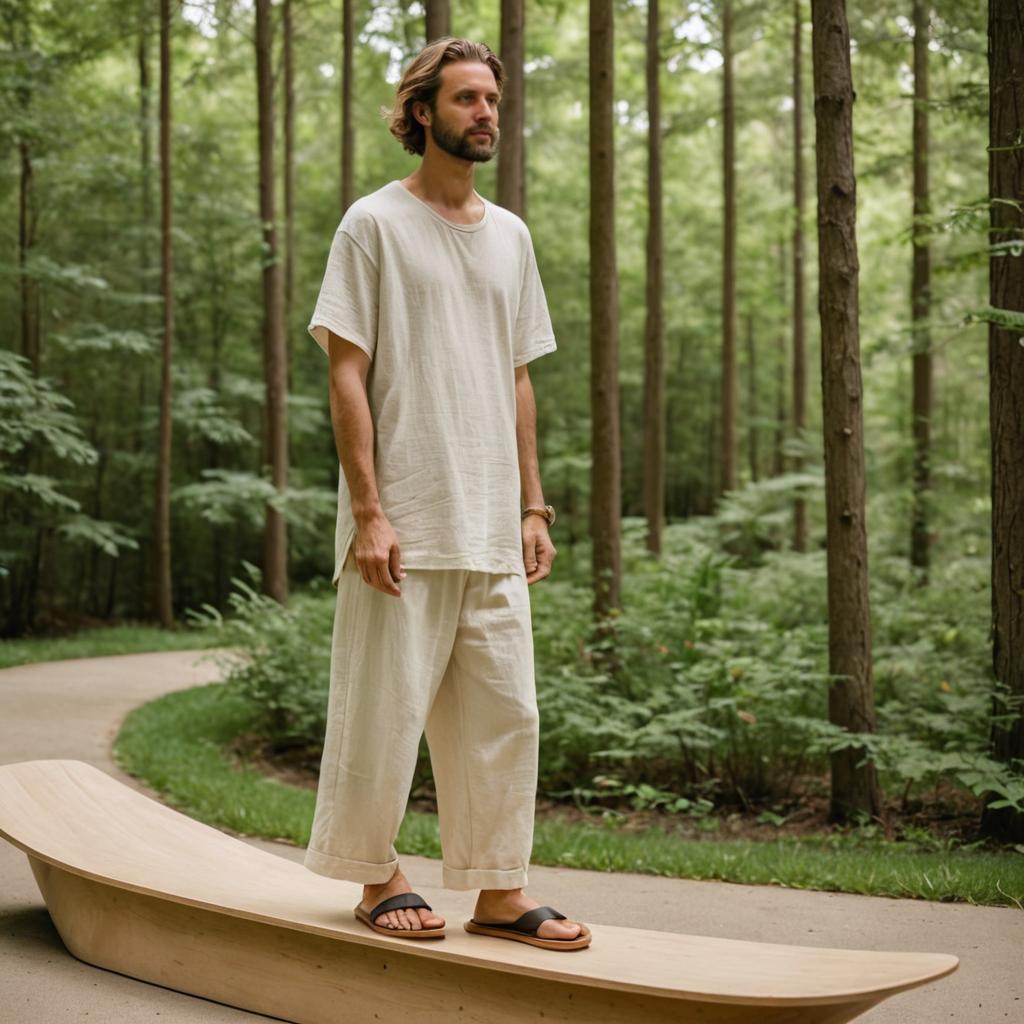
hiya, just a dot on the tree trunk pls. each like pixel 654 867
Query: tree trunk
pixel 799 301
pixel 145 265
pixel 654 329
pixel 162 529
pixel 438 19
pixel 851 697
pixel 919 300
pixel 605 499
pixel 289 159
pixel 348 141
pixel 781 411
pixel 29 289
pixel 275 361
pixel 1006 384
pixel 511 177
pixel 728 398
pixel 752 400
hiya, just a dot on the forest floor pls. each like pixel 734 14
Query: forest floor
pixel 949 818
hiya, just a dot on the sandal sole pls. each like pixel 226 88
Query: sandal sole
pixel 580 942
pixel 402 933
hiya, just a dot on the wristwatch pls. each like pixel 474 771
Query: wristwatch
pixel 548 512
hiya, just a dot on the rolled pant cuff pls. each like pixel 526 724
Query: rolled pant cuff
pixel 482 878
pixel 363 871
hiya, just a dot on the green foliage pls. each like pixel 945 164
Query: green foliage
pixel 200 412
pixel 176 745
pixel 37 424
pixel 224 496
pixel 33 411
pixel 759 517
pixel 279 659
pixel 718 693
pixel 70 91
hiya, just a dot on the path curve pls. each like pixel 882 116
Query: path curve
pixel 74 709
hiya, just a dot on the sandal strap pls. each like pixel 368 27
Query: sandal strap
pixel 403 901
pixel 529 922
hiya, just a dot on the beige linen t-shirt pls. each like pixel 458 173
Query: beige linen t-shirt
pixel 446 312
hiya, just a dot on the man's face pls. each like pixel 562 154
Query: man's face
pixel 464 121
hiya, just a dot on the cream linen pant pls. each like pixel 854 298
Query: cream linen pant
pixel 453 656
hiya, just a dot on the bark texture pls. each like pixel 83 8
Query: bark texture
pixel 287 61
pixel 275 362
pixel 605 499
pixel 163 595
pixel 654 328
pixel 752 406
pixel 511 177
pixel 922 402
pixel 1006 384
pixel 728 398
pixel 438 19
pixel 348 135
pixel 851 695
pixel 799 290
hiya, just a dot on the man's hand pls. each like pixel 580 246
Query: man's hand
pixel 538 551
pixel 377 554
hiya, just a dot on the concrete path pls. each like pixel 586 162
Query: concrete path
pixel 74 708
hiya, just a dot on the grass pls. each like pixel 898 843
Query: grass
pixel 175 746
pixel 103 641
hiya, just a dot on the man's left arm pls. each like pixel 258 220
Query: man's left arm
pixel 538 551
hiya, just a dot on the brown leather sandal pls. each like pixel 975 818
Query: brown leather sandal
pixel 524 929
pixel 406 901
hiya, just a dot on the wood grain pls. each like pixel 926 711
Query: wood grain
pixel 137 887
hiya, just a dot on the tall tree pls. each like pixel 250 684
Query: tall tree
pixel 511 178
pixel 1006 386
pixel 287 61
pixel 752 450
pixel 781 363
pixel 922 402
pixel 348 135
pixel 162 540
pixel 799 301
pixel 145 244
pixel 727 438
pixel 438 19
pixel 19 21
pixel 851 694
pixel 654 329
pixel 275 358
pixel 605 482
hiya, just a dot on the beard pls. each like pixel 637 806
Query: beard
pixel 463 146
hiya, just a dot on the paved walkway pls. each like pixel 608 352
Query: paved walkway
pixel 73 709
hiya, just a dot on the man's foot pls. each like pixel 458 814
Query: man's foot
pixel 414 918
pixel 506 905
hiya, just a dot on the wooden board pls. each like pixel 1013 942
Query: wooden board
pixel 137 887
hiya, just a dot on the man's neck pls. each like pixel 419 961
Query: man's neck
pixel 444 181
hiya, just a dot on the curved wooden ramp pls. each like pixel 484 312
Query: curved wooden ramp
pixel 139 888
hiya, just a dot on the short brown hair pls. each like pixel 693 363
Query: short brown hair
pixel 422 80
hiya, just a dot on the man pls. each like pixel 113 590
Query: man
pixel 430 309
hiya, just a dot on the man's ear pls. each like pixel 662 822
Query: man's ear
pixel 418 108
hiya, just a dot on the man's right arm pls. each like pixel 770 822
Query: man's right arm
pixel 377 553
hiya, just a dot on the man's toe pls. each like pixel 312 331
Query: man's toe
pixel 554 929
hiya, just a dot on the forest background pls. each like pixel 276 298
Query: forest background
pixel 718 692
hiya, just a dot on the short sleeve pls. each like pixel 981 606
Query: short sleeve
pixel 534 335
pixel 349 296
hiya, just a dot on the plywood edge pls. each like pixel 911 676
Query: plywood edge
pixel 935 965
